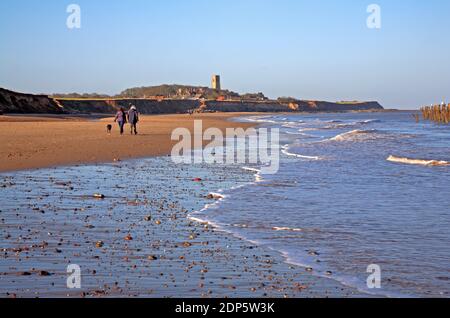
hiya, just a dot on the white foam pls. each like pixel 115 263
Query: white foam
pixel 369 121
pixel 309 129
pixel 251 169
pixel 258 177
pixel 350 135
pixel 261 120
pixel 417 161
pixel 198 220
pixel 285 150
pixel 217 196
pixel 288 229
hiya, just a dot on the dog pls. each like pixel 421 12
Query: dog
pixel 108 129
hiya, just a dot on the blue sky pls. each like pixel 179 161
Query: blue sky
pixel 310 49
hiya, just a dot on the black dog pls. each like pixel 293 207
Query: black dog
pixel 109 128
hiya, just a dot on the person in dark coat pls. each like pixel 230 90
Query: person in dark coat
pixel 133 119
pixel 121 119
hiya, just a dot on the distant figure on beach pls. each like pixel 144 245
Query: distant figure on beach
pixel 133 119
pixel 121 119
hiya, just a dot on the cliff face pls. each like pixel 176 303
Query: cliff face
pixel 262 107
pixel 12 102
pixel 145 106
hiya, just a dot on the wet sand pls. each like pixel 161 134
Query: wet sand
pixel 138 239
pixel 40 141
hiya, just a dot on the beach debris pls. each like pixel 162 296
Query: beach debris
pixel 309 269
pixel 214 196
pixel 187 251
pixel 313 253
pixel 197 180
pixel 99 196
pixel 44 273
pixel 62 184
pixel 300 287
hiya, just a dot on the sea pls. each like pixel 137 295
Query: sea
pixel 354 192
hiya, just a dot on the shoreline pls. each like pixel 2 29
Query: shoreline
pixel 45 141
pixel 149 247
pixel 205 253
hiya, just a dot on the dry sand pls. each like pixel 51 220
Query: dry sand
pixel 31 142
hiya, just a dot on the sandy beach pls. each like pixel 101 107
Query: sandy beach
pixel 31 142
pixel 138 238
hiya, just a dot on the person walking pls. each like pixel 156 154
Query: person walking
pixel 133 119
pixel 121 119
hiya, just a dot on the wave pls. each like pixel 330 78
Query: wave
pixel 418 161
pixel 288 229
pixel 261 120
pixel 309 129
pixel 369 121
pixel 216 196
pixel 285 150
pixel 340 125
pixel 257 172
pixel 352 135
pixel 345 280
pixel 196 216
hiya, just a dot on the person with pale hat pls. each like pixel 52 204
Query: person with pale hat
pixel 133 119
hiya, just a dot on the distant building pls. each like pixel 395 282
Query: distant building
pixel 215 83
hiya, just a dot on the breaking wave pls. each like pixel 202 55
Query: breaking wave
pixel 288 229
pixel 418 161
pixel 353 135
pixel 285 150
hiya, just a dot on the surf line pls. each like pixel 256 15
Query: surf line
pixel 285 150
pixel 417 161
